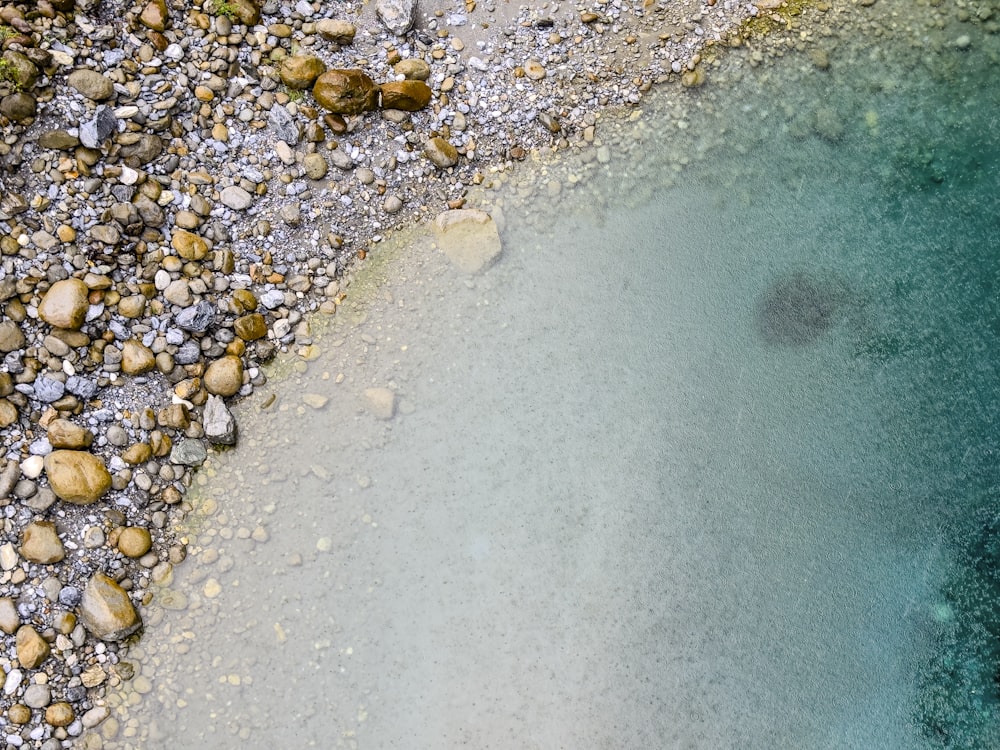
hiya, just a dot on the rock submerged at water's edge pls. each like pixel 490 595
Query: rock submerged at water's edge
pixel 469 237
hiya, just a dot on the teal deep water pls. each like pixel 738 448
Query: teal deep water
pixel 708 459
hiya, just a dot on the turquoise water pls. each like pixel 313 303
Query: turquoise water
pixel 706 460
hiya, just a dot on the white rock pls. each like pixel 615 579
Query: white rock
pixel 396 15
pixel 284 152
pixel 129 176
pixel 219 423
pixel 32 466
pixel 12 682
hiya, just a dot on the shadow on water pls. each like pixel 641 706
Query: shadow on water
pixel 799 308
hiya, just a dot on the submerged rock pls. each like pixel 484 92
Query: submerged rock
pixel 469 237
pixel 798 309
pixel 381 402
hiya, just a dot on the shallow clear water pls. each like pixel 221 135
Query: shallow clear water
pixel 707 459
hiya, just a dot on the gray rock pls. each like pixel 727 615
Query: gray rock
pixel 188 353
pixel 283 125
pixel 236 198
pixel 11 205
pixel 69 596
pixel 81 387
pixel 197 318
pixel 94 132
pixel 341 159
pixel 48 390
pixel 189 453
pixel 397 15
pixel 272 299
pixel 41 501
pixel 37 696
pixel 150 213
pixel 219 423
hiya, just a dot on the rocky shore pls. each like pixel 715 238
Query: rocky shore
pixel 182 183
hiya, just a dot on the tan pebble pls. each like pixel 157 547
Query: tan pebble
pixel 59 714
pixel 315 400
pixel 212 588
pixel 137 454
pixel 534 70
pixel 134 541
pixel 32 649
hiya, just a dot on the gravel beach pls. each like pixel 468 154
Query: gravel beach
pixel 181 185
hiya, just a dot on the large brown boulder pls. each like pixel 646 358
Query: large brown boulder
pixel 301 71
pixel 77 477
pixel 137 358
pixel 346 92
pixel 188 245
pixel 91 84
pixel 408 95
